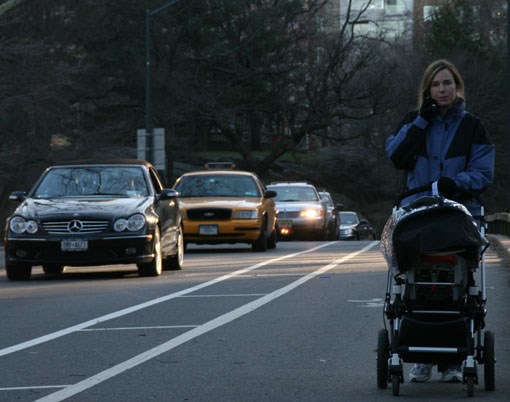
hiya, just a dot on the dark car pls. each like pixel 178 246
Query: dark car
pixel 354 228
pixel 95 213
pixel 333 215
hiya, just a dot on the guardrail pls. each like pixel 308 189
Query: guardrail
pixel 498 223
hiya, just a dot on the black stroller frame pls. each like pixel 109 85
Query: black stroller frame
pixel 433 305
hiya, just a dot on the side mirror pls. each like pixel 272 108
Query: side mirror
pixel 17 196
pixel 167 194
pixel 270 194
pixel 339 207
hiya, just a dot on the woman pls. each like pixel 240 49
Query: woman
pixel 442 144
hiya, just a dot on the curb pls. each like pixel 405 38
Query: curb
pixel 501 244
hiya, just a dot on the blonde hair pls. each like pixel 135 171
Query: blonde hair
pixel 429 74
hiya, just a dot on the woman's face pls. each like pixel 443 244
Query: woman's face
pixel 443 89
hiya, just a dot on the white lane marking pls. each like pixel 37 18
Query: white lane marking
pixel 33 387
pixel 187 336
pixel 366 301
pixel 227 295
pixel 377 302
pixel 138 328
pixel 129 310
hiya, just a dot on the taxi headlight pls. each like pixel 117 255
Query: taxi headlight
pixel 20 225
pixel 246 214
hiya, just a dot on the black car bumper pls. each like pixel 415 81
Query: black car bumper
pixel 99 251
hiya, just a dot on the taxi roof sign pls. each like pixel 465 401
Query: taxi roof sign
pixel 220 166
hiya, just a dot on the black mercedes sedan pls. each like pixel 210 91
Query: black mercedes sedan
pixel 95 213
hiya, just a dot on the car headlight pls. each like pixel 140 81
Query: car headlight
pixel 133 223
pixel 246 214
pixel 310 213
pixel 20 225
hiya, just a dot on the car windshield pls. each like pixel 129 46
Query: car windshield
pixel 294 193
pixel 327 198
pixel 96 180
pixel 348 218
pixel 217 185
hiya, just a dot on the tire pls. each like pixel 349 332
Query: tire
pixel 489 361
pixel 155 267
pixel 271 240
pixel 331 233
pixel 18 272
pixel 395 384
pixel 323 234
pixel 470 386
pixel 383 354
pixel 53 268
pixel 261 243
pixel 176 262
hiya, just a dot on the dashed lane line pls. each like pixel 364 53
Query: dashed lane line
pixel 193 333
pixel 129 310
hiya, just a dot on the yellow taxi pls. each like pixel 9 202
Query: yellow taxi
pixel 223 205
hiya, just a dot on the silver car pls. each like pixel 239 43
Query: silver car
pixel 301 210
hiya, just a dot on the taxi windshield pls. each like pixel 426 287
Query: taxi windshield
pixel 217 185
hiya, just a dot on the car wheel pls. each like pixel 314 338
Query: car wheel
pixel 176 261
pixel 18 272
pixel 331 233
pixel 323 234
pixel 271 240
pixel 155 267
pixel 53 269
pixel 261 243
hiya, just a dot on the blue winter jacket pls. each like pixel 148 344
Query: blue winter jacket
pixel 455 146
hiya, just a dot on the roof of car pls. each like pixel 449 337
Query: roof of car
pixel 117 161
pixel 291 183
pixel 217 172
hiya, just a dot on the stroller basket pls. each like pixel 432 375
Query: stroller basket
pixel 433 332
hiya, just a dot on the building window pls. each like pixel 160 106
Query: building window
pixel 429 11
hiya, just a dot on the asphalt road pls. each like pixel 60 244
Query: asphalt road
pixel 298 323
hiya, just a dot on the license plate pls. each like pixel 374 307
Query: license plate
pixel 287 223
pixel 74 245
pixel 208 230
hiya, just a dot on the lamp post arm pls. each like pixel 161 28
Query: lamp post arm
pixel 162 8
pixel 148 65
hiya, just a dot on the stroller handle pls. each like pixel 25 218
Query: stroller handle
pixel 421 189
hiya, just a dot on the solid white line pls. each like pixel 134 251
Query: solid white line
pixel 129 310
pixel 187 336
pixel 138 328
pixel 228 295
pixel 34 387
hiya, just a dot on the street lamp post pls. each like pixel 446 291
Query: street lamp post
pixel 149 144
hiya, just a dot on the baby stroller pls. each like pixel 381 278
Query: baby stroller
pixel 434 305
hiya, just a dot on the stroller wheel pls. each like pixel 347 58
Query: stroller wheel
pixel 383 354
pixel 489 361
pixel 395 384
pixel 470 384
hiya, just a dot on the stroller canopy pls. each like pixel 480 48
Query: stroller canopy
pixel 433 227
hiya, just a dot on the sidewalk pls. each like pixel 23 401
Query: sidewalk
pixel 501 244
